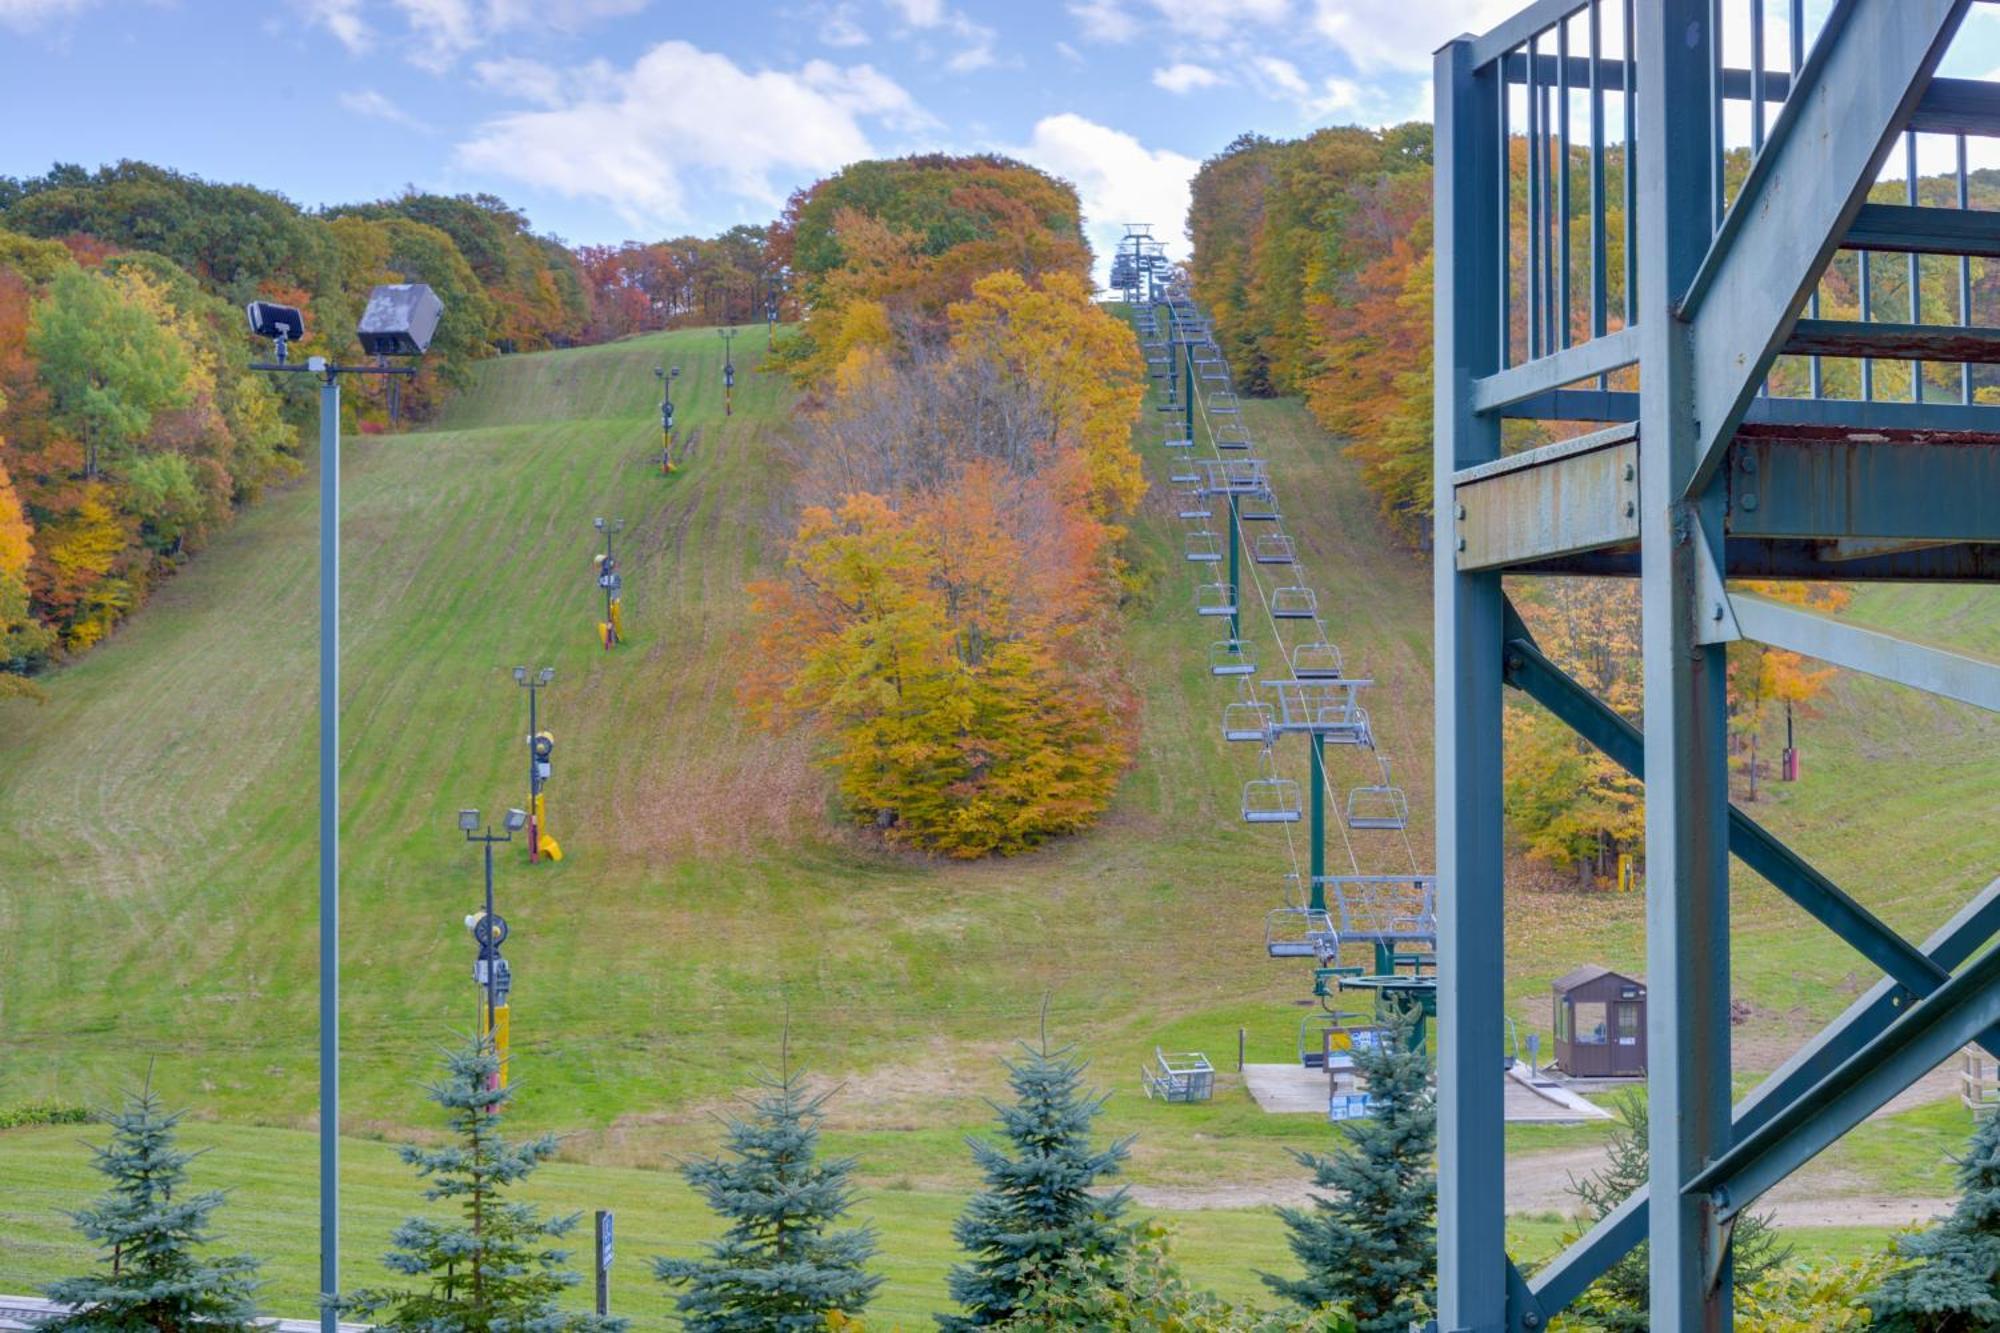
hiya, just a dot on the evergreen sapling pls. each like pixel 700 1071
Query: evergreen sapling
pixel 1953 1278
pixel 1037 1210
pixel 1369 1246
pixel 149 1228
pixel 783 1263
pixel 495 1266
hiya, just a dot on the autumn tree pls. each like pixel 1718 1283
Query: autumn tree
pixel 108 363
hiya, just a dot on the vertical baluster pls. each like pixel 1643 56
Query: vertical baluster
pixel 1631 174
pixel 1562 180
pixel 1536 164
pixel 1597 230
pixel 1865 282
pixel 1796 32
pixel 1716 105
pixel 1757 106
pixel 1916 261
pixel 1502 90
pixel 1551 280
pixel 1964 279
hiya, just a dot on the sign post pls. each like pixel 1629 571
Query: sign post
pixel 604 1261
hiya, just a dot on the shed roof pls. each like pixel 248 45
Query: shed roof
pixel 1569 981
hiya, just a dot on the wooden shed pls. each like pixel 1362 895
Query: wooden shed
pixel 1600 1022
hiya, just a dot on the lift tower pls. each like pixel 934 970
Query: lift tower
pixel 1670 327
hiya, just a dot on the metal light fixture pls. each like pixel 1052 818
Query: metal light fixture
pixel 517 820
pixel 520 675
pixel 548 674
pixel 469 820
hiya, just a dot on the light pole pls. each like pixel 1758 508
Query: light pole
pixel 541 750
pixel 771 324
pixel 666 378
pixel 489 931
pixel 728 374
pixel 612 630
pixel 399 320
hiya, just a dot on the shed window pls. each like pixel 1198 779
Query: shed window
pixel 1628 1025
pixel 1562 1020
pixel 1590 1018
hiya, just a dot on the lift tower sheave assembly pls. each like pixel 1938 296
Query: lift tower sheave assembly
pixel 611 629
pixel 666 376
pixel 1723 417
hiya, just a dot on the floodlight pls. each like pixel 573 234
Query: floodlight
pixel 598 523
pixel 268 319
pixel 516 820
pixel 548 674
pixel 400 320
pixel 469 820
pixel 674 373
pixel 659 372
pixel 520 675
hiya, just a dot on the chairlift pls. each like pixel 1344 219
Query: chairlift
pixel 1300 932
pixel 1185 476
pixel 1223 403
pixel 1215 599
pixel 1231 657
pixel 1230 433
pixel 1191 504
pixel 1247 720
pixel 1293 602
pixel 1316 661
pixel 1258 506
pixel 1274 548
pixel 1378 807
pixel 1272 801
pixel 1203 547
pixel 1177 438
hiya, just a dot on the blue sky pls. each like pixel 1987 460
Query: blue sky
pixel 615 119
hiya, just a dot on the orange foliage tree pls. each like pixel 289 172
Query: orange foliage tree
pixel 947 616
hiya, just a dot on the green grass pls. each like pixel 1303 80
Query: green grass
pixel 157 869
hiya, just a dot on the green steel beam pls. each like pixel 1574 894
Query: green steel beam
pixel 1855 94
pixel 1933 670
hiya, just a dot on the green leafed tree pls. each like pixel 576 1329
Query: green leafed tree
pixel 150 1231
pixel 785 1262
pixel 1038 1209
pixel 1369 1245
pixel 1618 1301
pixel 1952 1278
pixel 107 362
pixel 490 1265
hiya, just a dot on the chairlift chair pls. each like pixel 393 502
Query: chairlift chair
pixel 1299 932
pixel 1215 599
pixel 1293 602
pixel 1184 476
pixel 1231 657
pixel 1203 547
pixel 1191 503
pixel 1230 433
pixel 1274 548
pixel 1246 720
pixel 1272 801
pixel 1258 506
pixel 1223 402
pixel 1177 439
pixel 1316 661
pixel 1378 807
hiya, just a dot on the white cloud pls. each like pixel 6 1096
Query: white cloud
pixel 977 53
pixel 1282 76
pixel 920 13
pixel 1119 179
pixel 1186 78
pixel 439 32
pixel 838 27
pixel 25 14
pixel 1215 19
pixel 1070 53
pixel 372 105
pixel 635 138
pixel 1104 20
pixel 1402 36
pixel 523 79
pixel 342 18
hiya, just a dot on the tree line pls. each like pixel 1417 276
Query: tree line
pixel 947 616
pixel 131 430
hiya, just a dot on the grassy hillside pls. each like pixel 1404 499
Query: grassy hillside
pixel 157 868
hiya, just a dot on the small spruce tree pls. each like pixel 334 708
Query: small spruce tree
pixel 1037 1210
pixel 782 1264
pixel 148 1228
pixel 1952 1280
pixel 493 1268
pixel 1620 1301
pixel 1370 1245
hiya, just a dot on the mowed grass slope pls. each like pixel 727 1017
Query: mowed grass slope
pixel 157 869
